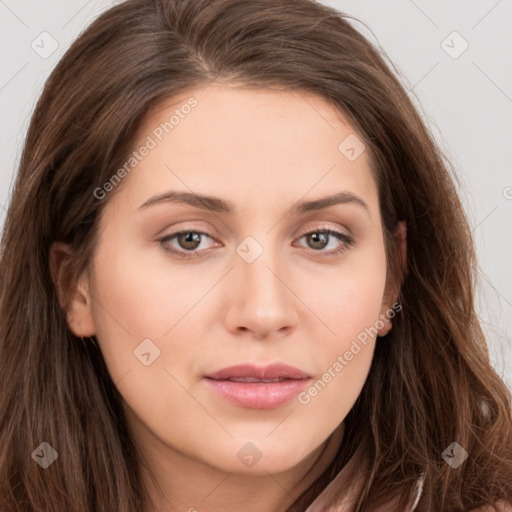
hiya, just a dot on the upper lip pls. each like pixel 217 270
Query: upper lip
pixel 272 371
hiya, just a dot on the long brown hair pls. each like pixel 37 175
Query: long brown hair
pixel 430 383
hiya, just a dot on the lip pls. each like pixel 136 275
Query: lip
pixel 257 387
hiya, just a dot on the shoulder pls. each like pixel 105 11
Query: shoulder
pixel 501 506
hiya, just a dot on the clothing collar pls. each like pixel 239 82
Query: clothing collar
pixel 329 496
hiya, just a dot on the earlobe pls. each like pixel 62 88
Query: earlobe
pixel 384 324
pixel 73 297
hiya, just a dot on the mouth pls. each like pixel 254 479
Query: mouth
pixel 255 387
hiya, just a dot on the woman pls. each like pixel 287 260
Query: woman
pixel 236 275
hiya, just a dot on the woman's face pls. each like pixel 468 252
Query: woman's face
pixel 254 284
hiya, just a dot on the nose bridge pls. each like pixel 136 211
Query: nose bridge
pixel 262 300
pixel 258 265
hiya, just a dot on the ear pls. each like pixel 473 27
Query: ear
pixel 393 288
pixel 73 297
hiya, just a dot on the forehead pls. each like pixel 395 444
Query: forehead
pixel 259 147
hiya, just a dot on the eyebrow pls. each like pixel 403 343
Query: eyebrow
pixel 217 205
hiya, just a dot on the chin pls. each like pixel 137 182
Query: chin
pixel 260 456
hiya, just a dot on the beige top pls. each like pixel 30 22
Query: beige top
pixel 328 496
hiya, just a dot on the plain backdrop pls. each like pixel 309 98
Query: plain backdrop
pixel 453 57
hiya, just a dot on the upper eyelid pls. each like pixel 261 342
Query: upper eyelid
pixel 320 225
pixel 300 233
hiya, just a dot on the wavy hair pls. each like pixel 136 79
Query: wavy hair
pixel 430 383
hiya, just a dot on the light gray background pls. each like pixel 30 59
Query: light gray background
pixel 467 101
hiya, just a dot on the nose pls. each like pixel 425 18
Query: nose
pixel 261 299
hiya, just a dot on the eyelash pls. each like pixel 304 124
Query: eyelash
pixel 347 242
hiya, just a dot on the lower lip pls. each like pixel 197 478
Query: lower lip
pixel 258 395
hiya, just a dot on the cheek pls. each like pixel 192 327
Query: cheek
pixel 137 304
pixel 144 297
pixel 141 297
pixel 349 304
pixel 345 361
pixel 347 298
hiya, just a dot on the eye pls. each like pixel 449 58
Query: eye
pixel 189 242
pixel 322 238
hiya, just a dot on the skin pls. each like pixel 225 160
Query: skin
pixel 263 151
